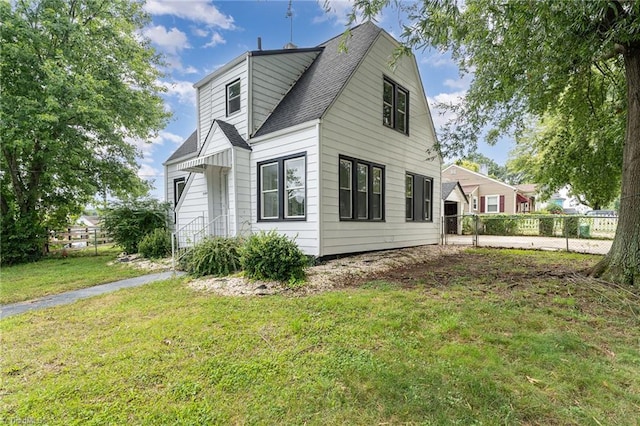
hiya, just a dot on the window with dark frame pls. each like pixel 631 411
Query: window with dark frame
pixel 282 188
pixel 409 196
pixel 233 97
pixel 178 189
pixel 419 198
pixel 395 106
pixel 361 190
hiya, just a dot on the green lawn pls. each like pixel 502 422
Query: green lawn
pixel 56 274
pixel 448 346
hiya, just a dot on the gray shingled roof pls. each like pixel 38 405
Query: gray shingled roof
pixel 448 187
pixel 189 146
pixel 232 134
pixel 323 81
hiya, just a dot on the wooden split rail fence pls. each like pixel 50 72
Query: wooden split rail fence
pixel 78 237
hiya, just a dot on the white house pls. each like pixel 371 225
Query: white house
pixel 327 146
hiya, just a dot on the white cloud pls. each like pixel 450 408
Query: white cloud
pixel 200 32
pixel 200 11
pixel 172 41
pixel 441 115
pixel 190 70
pixel 437 60
pixel 182 90
pixel 216 39
pixel 337 10
pixel 460 84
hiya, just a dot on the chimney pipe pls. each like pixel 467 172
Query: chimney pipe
pixel 259 43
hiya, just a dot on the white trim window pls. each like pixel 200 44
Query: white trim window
pixel 475 203
pixel 493 204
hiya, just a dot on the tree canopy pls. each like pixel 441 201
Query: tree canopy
pixel 535 58
pixel 79 84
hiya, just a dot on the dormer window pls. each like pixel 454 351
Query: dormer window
pixel 395 106
pixel 233 97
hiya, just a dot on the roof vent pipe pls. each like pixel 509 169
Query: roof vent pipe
pixel 259 43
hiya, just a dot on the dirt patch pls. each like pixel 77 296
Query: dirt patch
pixel 337 273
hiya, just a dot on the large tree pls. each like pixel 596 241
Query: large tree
pixel 78 85
pixel 579 143
pixel 524 57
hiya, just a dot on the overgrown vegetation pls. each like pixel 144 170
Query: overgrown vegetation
pixel 128 222
pixel 272 256
pixel 482 337
pixel 213 256
pixel 156 244
pixel 68 115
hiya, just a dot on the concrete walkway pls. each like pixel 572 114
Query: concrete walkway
pixel 72 296
pixel 529 242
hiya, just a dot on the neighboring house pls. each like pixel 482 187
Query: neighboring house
pixel 87 220
pixel 488 195
pixel 454 204
pixel 323 145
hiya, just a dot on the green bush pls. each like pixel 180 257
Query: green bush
pixel 500 225
pixel 271 256
pixel 155 244
pixel 545 226
pixel 128 222
pixel 570 225
pixel 213 256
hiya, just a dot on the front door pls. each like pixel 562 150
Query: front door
pixel 218 200
pixel 451 217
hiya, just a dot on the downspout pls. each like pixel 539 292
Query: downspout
pixel 233 193
pixel 249 96
pixel 320 181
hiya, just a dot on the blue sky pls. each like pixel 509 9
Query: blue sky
pixel 198 36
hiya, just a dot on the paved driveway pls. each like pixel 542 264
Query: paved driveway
pixel 579 245
pixel 72 296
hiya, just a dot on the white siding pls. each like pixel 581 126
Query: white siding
pixel 353 127
pixel 213 102
pixel 272 77
pixel 300 141
pixel 242 179
pixel 194 201
pixel 172 173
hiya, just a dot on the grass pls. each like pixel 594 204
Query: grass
pixel 54 275
pixel 444 347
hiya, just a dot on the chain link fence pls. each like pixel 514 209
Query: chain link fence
pixel 582 234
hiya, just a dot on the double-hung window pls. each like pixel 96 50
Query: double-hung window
pixel 233 97
pixel 395 106
pixel 361 190
pixel 282 188
pixel 493 204
pixel 419 198
pixel 178 189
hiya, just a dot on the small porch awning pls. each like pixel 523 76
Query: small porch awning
pixel 522 199
pixel 200 164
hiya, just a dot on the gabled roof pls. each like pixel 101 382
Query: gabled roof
pixel 479 175
pixel 449 187
pixel 189 146
pixel 323 81
pixel 232 134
